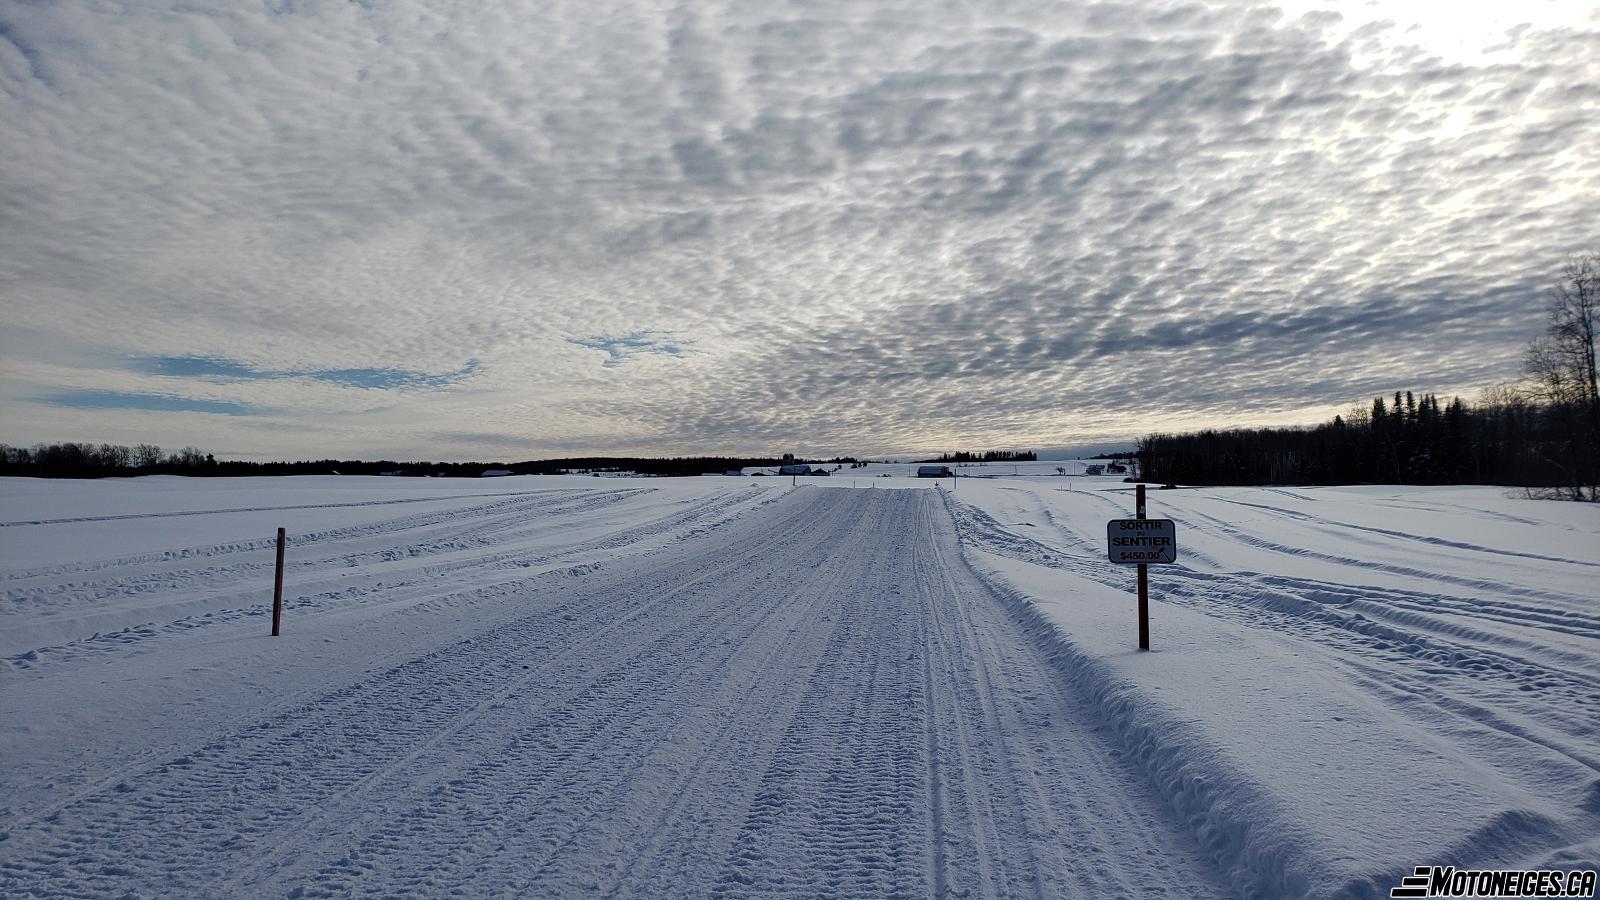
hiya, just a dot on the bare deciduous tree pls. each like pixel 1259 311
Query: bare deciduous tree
pixel 1561 367
pixel 147 456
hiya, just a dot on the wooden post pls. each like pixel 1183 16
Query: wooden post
pixel 277 586
pixel 1144 583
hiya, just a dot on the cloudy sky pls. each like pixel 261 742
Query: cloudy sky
pixel 426 229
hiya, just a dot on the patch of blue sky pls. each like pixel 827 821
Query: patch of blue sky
pixel 622 348
pixel 222 369
pixel 392 379
pixel 83 399
pixel 199 367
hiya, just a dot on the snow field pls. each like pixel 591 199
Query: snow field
pixel 730 687
pixel 1319 718
pixel 820 701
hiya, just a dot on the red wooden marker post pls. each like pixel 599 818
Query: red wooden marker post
pixel 1144 582
pixel 277 583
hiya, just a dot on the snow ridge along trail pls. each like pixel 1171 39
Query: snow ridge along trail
pixel 819 700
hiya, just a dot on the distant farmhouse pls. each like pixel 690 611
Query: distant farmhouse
pixel 1094 470
pixel 790 467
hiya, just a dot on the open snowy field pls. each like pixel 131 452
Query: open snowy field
pixel 860 686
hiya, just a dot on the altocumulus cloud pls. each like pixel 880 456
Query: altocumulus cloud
pixel 279 230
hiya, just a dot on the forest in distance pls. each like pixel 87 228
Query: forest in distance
pixel 1541 433
pixel 83 460
pixel 1506 438
pixel 87 460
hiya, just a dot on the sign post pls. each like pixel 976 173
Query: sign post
pixel 1141 541
pixel 1144 579
pixel 277 586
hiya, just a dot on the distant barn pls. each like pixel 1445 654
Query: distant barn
pixel 496 473
pixel 794 469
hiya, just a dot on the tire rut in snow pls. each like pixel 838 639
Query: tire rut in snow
pixel 838 808
pixel 540 784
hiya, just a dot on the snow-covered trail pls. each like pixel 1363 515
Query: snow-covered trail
pixel 819 700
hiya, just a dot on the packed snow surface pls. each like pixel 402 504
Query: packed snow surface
pixel 763 686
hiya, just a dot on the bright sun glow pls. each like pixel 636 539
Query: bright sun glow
pixel 1467 31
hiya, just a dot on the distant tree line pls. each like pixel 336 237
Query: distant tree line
pixel 675 466
pixel 1541 433
pixel 1503 439
pixel 963 456
pixel 75 460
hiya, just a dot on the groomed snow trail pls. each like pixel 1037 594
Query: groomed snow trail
pixel 819 701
